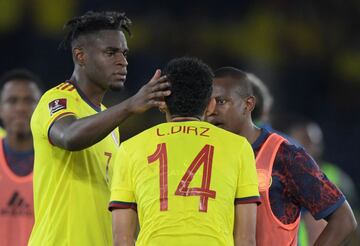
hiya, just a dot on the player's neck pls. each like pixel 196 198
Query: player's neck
pixel 251 132
pixel 92 92
pixel 179 119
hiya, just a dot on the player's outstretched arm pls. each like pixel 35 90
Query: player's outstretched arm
pixel 340 225
pixel 245 224
pixel 74 134
pixel 124 223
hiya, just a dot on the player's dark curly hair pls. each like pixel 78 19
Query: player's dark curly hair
pixel 92 22
pixel 20 74
pixel 191 86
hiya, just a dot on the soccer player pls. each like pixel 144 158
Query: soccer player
pixel 75 136
pixel 289 179
pixel 19 95
pixel 182 178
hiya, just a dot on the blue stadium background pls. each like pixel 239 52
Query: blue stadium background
pixel 308 52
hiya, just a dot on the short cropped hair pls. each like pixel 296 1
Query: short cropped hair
pixel 20 74
pixel 245 88
pixel 191 86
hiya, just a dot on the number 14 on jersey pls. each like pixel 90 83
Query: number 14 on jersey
pixel 204 157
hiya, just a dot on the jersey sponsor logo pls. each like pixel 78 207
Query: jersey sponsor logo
pixel 57 105
pixel 16 206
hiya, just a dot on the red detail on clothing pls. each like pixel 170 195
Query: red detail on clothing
pixel 59 86
pixel 269 229
pixel 57 105
pixel 161 155
pixel 16 205
pixel 71 88
pixel 65 86
pixel 205 157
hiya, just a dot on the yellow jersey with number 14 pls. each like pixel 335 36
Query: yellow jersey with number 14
pixel 71 193
pixel 184 178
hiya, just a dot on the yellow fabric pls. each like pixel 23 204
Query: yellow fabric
pixel 70 189
pixel 135 180
pixel 2 132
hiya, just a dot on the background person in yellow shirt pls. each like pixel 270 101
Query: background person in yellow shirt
pixel 75 135
pixel 185 178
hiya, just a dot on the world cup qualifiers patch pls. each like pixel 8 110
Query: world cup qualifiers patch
pixel 57 105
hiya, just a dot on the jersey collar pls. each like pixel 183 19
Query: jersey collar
pixel 83 96
pixel 261 139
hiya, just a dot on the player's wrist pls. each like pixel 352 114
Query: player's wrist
pixel 136 104
pixel 129 105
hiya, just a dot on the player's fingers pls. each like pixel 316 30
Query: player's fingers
pixel 155 77
pixel 160 86
pixel 159 94
pixel 162 79
pixel 155 103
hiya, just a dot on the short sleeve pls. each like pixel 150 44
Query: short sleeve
pixel 122 191
pixel 53 105
pixel 309 185
pixel 247 188
pixel 56 105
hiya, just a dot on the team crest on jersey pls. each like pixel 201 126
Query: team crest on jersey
pixel 57 105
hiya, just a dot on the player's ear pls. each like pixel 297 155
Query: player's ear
pixel 79 56
pixel 250 103
pixel 211 107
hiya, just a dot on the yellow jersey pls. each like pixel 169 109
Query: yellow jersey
pixel 184 178
pixel 2 132
pixel 71 191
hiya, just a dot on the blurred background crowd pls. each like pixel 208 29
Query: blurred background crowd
pixel 307 52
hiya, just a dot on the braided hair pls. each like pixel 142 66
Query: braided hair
pixel 92 22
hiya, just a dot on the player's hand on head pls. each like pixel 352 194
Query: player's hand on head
pixel 151 94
